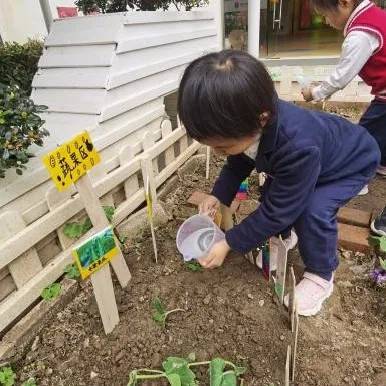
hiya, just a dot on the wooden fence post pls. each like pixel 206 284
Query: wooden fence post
pixel 54 199
pixel 99 221
pixel 27 265
pixel 166 129
pixel 131 185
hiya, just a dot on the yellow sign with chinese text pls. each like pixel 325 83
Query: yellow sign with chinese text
pixel 70 161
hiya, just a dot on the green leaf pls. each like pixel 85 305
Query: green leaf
pixel 109 212
pixel 193 266
pixel 73 230
pixel 382 262
pixel 216 369
pixel 87 225
pixel 179 366
pixel 174 379
pixel 158 306
pixel 229 379
pixel 51 292
pixel 7 376
pixel 160 319
pixel 72 271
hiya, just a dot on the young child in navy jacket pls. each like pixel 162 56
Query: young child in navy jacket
pixel 363 54
pixel 316 163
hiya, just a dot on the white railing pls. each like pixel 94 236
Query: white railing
pixel 122 187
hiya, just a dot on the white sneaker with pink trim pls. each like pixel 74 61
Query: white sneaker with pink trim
pixel 310 294
pixel 290 243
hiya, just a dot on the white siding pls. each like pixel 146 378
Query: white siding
pixel 107 74
pixel 21 20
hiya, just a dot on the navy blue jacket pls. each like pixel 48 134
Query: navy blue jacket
pixel 300 149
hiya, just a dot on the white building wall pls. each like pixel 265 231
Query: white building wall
pixel 21 20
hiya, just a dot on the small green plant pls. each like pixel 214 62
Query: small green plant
pixel 193 266
pixel 178 371
pixel 51 292
pixel 7 376
pixel 160 313
pixel 72 271
pixel 76 229
pixel 29 382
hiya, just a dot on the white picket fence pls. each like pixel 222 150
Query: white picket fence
pixel 110 75
pixel 122 187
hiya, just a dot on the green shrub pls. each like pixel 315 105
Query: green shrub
pixel 20 127
pixel 19 63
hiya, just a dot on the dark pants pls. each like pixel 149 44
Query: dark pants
pixel 317 227
pixel 374 120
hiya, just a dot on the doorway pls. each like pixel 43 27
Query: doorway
pixel 290 28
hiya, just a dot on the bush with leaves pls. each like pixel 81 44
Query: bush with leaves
pixel 20 127
pixel 19 63
pixel 109 6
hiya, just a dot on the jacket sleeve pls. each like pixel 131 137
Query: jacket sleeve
pixel 234 172
pixel 295 176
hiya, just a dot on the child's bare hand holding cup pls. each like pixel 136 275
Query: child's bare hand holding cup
pixel 209 206
pixel 216 255
pixel 307 94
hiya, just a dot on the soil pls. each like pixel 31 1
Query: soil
pixel 229 312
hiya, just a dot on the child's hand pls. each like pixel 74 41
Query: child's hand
pixel 216 255
pixel 209 206
pixel 307 94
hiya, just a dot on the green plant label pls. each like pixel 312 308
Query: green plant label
pixel 95 252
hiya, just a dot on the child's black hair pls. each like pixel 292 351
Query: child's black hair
pixel 330 4
pixel 222 95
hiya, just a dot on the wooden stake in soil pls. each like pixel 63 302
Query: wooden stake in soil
pixel 67 165
pixel 281 270
pixel 266 260
pixel 287 367
pixel 291 299
pixel 99 222
pixel 294 344
pixel 149 204
pixel 207 162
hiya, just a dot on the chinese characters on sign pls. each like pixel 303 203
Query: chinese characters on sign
pixel 95 252
pixel 70 161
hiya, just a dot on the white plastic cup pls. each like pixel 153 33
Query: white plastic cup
pixel 196 237
pixel 303 81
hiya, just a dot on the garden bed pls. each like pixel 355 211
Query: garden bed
pixel 230 312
